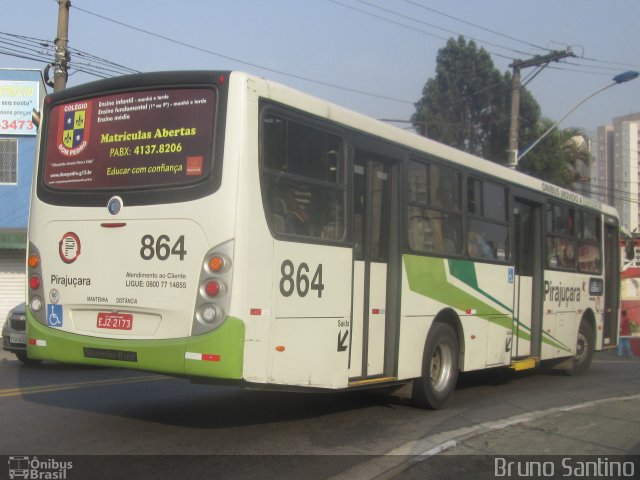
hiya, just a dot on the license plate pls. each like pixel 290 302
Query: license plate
pixel 18 338
pixel 115 321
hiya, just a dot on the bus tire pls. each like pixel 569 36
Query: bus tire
pixel 439 368
pixel 22 356
pixel 584 348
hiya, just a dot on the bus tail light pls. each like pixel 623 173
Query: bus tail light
pixel 218 263
pixel 36 288
pixel 34 282
pixel 212 302
pixel 212 314
pixel 33 261
pixel 214 288
pixel 35 304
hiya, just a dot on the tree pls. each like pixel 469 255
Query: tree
pixel 467 104
pixel 559 157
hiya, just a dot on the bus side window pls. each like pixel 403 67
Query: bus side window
pixel 302 178
pixel 561 239
pixel 488 227
pixel 421 233
pixel 434 222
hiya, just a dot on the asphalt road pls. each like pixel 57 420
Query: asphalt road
pixel 170 428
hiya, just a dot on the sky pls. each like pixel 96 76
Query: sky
pixel 372 56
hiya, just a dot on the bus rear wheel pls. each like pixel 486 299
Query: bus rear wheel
pixel 584 349
pixel 439 368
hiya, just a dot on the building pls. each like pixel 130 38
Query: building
pixel 614 170
pixel 21 91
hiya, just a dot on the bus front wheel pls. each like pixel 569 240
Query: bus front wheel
pixel 439 368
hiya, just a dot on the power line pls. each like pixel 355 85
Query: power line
pixel 439 37
pixel 480 41
pixel 244 62
pixel 41 50
pixel 433 10
pixel 620 64
pixel 409 27
pixel 486 42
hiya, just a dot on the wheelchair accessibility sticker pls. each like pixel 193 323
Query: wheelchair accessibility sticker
pixel 54 315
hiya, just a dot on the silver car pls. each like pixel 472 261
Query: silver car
pixel 14 334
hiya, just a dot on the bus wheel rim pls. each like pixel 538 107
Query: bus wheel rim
pixel 581 349
pixel 440 370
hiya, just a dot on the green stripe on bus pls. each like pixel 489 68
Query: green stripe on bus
pixel 465 271
pixel 427 276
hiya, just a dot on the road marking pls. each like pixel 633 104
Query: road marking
pixel 394 462
pixel 616 361
pixel 12 392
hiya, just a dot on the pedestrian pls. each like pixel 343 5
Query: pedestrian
pixel 624 346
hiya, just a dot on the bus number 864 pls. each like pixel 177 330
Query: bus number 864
pixel 161 248
pixel 298 280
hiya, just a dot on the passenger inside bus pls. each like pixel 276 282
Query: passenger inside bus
pixel 479 247
pixel 289 210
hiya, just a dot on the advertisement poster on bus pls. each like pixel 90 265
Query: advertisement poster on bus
pixel 147 138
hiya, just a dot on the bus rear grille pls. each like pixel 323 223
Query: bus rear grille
pixel 104 354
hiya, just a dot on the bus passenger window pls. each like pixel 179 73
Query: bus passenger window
pixel 433 212
pixel 488 227
pixel 488 240
pixel 302 179
pixel 589 245
pixel 561 253
pixel 299 209
pixel 563 222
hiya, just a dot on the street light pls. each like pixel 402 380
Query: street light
pixel 620 78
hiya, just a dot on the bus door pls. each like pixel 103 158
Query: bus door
pixel 528 279
pixel 612 284
pixel 373 331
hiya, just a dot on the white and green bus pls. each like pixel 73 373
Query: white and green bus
pixel 224 228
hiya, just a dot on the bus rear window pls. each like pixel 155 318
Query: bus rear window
pixel 130 140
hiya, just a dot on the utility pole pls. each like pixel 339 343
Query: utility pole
pixel 60 72
pixel 538 61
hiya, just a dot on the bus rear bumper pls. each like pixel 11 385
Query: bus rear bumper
pixel 218 354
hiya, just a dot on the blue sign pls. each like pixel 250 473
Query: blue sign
pixel 510 274
pixel 54 315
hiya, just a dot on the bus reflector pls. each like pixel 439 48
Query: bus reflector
pixel 113 225
pixel 255 311
pixel 280 348
pixel 207 357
